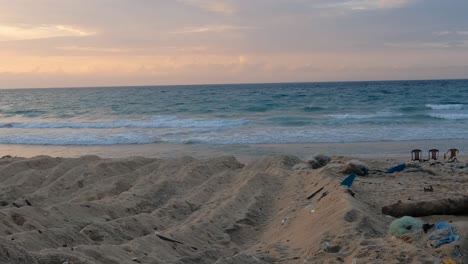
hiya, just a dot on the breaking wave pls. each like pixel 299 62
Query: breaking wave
pixel 156 122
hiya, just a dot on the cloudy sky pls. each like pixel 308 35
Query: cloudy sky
pixel 62 43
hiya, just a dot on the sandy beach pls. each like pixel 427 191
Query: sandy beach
pixel 234 132
pixel 219 210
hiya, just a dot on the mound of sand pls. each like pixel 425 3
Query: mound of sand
pixel 186 210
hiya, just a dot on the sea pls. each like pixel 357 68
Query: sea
pixel 232 114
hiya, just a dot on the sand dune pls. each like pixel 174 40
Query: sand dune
pixel 186 210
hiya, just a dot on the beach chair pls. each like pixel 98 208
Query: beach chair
pixel 416 154
pixel 433 154
pixel 453 153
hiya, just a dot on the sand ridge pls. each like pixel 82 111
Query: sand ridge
pixel 216 210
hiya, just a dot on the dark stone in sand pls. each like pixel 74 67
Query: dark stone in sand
pixel 318 161
pixel 356 167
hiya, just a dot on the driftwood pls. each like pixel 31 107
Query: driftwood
pixel 323 195
pixel 314 193
pixel 169 239
pixel 450 206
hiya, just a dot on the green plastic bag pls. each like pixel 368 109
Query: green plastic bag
pixel 406 225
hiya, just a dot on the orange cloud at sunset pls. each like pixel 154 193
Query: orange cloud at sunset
pixel 29 32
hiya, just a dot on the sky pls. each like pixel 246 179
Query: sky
pixel 74 43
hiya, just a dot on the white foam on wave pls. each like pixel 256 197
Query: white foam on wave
pixel 320 135
pixel 238 135
pixel 449 116
pixel 446 106
pixel 84 139
pixel 364 116
pixel 156 122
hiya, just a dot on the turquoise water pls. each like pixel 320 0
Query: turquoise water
pixel 237 114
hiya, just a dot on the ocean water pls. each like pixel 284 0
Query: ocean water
pixel 237 114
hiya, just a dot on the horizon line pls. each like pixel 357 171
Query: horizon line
pixel 240 83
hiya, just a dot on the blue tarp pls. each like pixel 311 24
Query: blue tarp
pixel 348 181
pixel 399 167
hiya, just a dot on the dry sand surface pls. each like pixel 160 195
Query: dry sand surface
pixel 217 210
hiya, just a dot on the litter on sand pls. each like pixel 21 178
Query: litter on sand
pixel 406 225
pixel 396 168
pixel 443 233
pixel 348 181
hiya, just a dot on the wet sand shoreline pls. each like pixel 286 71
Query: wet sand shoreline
pixel 393 149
